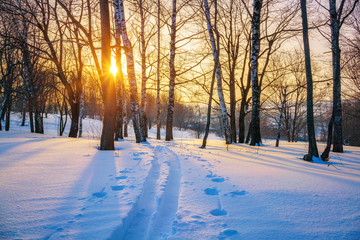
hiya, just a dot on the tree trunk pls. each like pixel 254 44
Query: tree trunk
pixel 8 111
pixel 119 83
pixel 325 154
pixel 2 108
pixel 216 52
pixel 23 113
pixel 39 128
pixel 280 119
pixel 119 110
pixel 208 117
pixel 107 81
pixel 120 13
pixel 312 150
pixel 75 113
pixel 170 111
pixel 247 140
pixel 335 48
pixel 143 118
pixel 294 121
pixel 81 115
pixel 242 115
pixel 232 108
pixel 125 127
pixel 31 117
pixel 255 117
pixel 158 122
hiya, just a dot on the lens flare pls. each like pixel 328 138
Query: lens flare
pixel 113 70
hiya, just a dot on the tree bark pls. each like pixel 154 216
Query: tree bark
pixel 31 117
pixel 208 117
pixel 81 116
pixel 119 78
pixel 312 150
pixel 107 82
pixel 3 108
pixel 335 48
pixel 255 118
pixel 23 113
pixel 75 114
pixel 216 52
pixel 158 120
pixel 325 154
pixel 131 73
pixel 280 119
pixel 143 118
pixel 243 107
pixel 8 111
pixel 170 111
pixel 232 107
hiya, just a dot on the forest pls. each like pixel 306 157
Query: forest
pixel 245 70
pixel 180 119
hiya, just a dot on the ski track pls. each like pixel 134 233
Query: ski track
pixel 153 214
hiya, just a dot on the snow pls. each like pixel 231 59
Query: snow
pixel 61 188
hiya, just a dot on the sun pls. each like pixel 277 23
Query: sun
pixel 113 70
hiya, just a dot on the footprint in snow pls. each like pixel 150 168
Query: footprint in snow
pixel 211 191
pixel 227 233
pixel 121 177
pixel 211 175
pixel 117 188
pixel 100 194
pixel 238 193
pixel 218 179
pixel 218 212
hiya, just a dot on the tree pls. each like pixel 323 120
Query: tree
pixel 208 116
pixel 119 78
pixel 158 120
pixel 107 82
pixel 230 34
pixel 255 117
pixel 170 110
pixel 216 52
pixel 312 149
pixel 131 73
pixel 335 123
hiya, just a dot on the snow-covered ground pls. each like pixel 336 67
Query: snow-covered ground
pixel 60 188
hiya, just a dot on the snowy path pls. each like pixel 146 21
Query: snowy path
pixel 152 216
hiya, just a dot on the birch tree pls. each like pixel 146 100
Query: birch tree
pixel 170 110
pixel 131 73
pixel 158 120
pixel 255 117
pixel 119 78
pixel 216 51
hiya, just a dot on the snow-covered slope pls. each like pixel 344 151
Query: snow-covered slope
pixel 60 188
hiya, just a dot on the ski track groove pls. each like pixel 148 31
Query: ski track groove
pixel 152 215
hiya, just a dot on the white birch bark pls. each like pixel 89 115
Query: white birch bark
pixel 255 117
pixel 143 118
pixel 158 123
pixel 216 51
pixel 170 113
pixel 120 16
